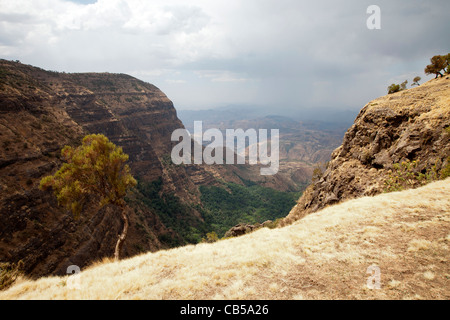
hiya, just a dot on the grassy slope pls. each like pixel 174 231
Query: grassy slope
pixel 323 256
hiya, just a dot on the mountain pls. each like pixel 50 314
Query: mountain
pixel 328 117
pixel 332 254
pixel 405 135
pixel 42 111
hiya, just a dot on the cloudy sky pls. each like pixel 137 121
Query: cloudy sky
pixel 211 53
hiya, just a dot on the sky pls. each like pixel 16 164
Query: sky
pixel 280 54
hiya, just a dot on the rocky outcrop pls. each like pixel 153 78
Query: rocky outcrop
pixel 244 228
pixel 409 125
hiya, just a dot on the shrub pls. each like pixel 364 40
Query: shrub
pixel 393 88
pixel 416 81
pixel 445 172
pixel 273 224
pixel 318 171
pixel 9 272
pixel 403 85
pixel 211 237
pixel 406 175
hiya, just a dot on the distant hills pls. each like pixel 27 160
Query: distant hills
pixel 328 116
pixel 303 144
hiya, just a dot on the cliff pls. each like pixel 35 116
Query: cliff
pixel 40 112
pixel 410 125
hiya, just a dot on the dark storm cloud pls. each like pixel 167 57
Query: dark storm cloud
pixel 202 53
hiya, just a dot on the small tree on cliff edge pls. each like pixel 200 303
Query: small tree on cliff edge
pixel 416 81
pixel 97 170
pixel 437 64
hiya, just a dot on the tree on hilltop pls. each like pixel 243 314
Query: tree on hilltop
pixel 437 64
pixel 94 170
pixel 403 85
pixel 447 62
pixel 416 81
pixel 393 88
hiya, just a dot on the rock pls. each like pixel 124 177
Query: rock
pixel 239 230
pixel 410 125
pixel 243 228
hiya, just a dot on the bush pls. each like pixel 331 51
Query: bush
pixel 211 237
pixel 416 81
pixel 445 172
pixel 318 171
pixel 9 272
pixel 406 175
pixel 403 85
pixel 393 88
pixel 273 224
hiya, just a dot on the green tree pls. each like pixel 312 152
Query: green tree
pixel 437 64
pixel 393 88
pixel 403 85
pixel 416 81
pixel 95 170
pixel 9 272
pixel 447 62
pixel 211 237
pixel 319 170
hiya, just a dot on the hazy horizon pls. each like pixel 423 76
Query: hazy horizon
pixel 282 55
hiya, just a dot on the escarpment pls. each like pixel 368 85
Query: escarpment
pixel 40 112
pixel 411 125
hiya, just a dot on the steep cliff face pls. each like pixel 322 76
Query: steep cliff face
pixel 409 125
pixel 42 111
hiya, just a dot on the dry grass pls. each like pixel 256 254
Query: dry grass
pixel 323 256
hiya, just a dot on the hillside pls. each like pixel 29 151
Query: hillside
pixel 411 125
pixel 324 256
pixel 40 112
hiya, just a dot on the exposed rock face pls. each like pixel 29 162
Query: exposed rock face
pixel 409 125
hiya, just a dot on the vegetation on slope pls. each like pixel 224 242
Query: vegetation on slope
pixel 223 208
pixel 227 207
pixel 326 255
pixel 174 214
